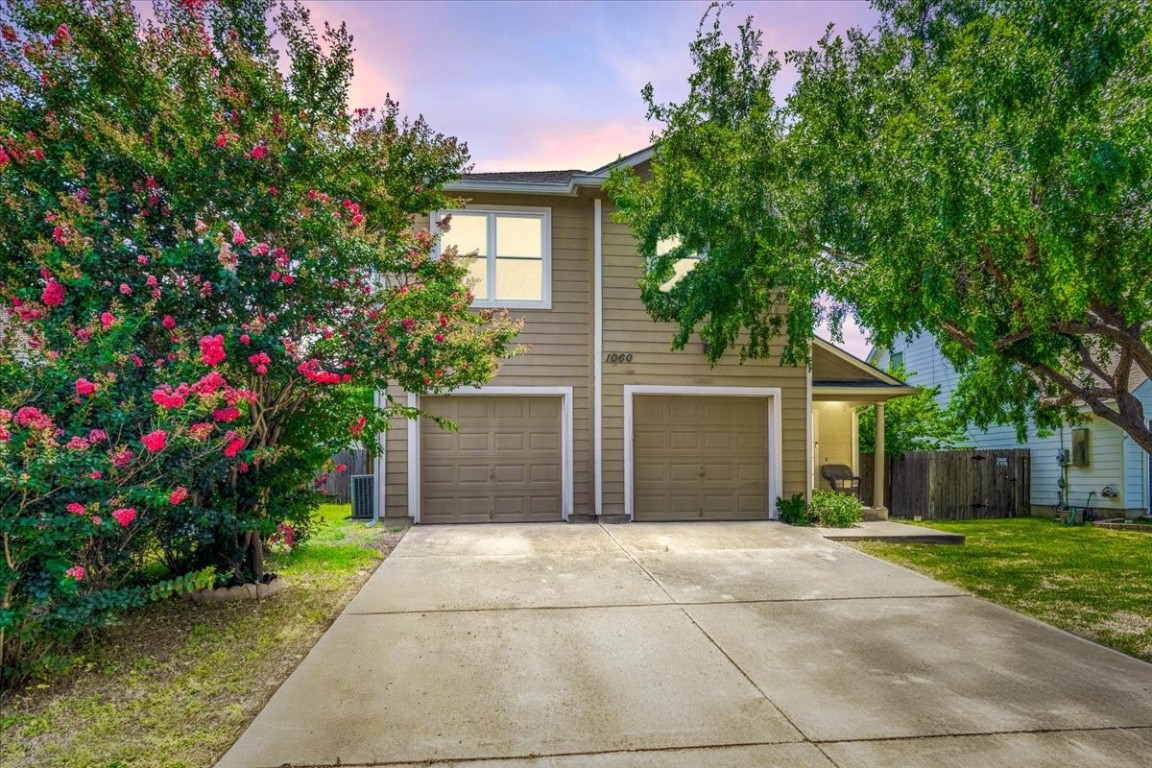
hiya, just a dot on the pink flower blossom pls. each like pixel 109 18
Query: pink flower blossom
pixel 212 350
pixel 358 219
pixel 124 516
pixel 76 572
pixel 155 441
pixel 168 322
pixel 33 418
pixel 238 237
pixel 167 400
pixel 85 387
pixel 341 467
pixel 208 385
pixel 62 36
pixel 60 235
pixel 97 436
pixel 222 139
pixel 259 151
pixel 245 339
pixel 287 279
pixel 53 295
pixel 96 519
pixel 125 289
pixel 77 443
pixel 107 319
pixel 84 335
pixel 357 427
pixel 76 508
pixel 226 415
pixel 121 457
pixel 178 495
pixel 234 446
pixel 95 474
pixel 201 430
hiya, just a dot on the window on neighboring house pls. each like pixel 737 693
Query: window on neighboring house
pixel 896 361
pixel 512 268
pixel 682 266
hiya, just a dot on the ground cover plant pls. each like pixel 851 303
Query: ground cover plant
pixel 174 685
pixel 1090 581
pixel 207 267
pixel 833 509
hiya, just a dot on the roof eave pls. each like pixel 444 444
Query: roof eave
pixel 570 189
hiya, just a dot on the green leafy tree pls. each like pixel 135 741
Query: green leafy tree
pixel 912 423
pixel 208 257
pixel 979 171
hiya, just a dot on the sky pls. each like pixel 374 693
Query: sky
pixel 553 85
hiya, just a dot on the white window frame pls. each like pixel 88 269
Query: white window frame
pixel 542 213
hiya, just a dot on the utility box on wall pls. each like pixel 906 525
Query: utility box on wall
pixel 1080 443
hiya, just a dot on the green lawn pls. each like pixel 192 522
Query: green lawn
pixel 173 685
pixel 1090 581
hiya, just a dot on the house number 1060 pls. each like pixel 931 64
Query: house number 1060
pixel 619 357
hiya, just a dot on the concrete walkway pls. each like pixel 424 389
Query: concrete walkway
pixel 727 645
pixel 891 531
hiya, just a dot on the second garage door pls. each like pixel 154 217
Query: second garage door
pixel 504 465
pixel 700 458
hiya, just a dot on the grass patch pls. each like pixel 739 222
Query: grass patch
pixel 174 684
pixel 1094 582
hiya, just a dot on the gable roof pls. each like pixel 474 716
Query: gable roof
pixel 837 374
pixel 568 182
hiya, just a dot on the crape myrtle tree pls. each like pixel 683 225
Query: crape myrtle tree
pixel 206 260
pixel 979 171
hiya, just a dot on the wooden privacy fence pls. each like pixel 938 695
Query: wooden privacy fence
pixel 953 485
pixel 338 486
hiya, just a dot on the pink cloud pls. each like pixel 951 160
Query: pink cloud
pixel 553 144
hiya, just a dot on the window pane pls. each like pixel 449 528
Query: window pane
pixel 519 236
pixel 519 279
pixel 468 232
pixel 682 267
pixel 478 271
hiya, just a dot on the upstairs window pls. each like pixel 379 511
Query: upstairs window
pixel 513 264
pixel 682 266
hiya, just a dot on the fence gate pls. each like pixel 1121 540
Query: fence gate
pixel 954 485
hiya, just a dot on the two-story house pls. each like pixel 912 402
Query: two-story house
pixel 600 419
pixel 1093 461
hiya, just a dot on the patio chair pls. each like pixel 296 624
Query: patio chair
pixel 841 479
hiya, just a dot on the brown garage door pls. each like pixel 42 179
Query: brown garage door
pixel 502 466
pixel 700 458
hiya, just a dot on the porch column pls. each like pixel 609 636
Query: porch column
pixel 878 462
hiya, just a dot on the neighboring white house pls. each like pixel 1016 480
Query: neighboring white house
pixel 1111 464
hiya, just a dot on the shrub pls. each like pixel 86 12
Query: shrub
pixel 835 510
pixel 209 258
pixel 794 511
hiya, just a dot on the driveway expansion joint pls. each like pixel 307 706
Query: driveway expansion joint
pixel 431 762
pixel 982 734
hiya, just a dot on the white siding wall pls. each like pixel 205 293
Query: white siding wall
pixel 1114 459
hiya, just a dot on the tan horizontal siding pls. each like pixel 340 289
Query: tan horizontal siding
pixel 629 329
pixel 559 341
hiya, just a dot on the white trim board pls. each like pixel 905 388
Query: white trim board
pixel 775 442
pixel 566 442
pixel 598 357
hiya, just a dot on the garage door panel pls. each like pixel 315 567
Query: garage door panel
pixel 684 440
pixel 504 464
pixel 544 441
pixel 698 457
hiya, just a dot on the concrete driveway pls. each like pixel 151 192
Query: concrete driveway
pixel 723 645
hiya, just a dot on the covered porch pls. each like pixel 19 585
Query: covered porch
pixel 841 386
